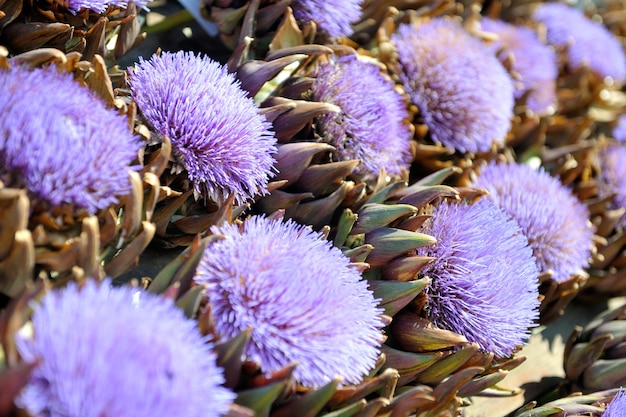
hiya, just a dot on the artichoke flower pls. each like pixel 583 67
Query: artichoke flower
pixel 65 220
pixel 594 355
pixel 597 404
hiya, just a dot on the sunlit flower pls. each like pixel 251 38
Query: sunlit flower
pixel 216 130
pixel 118 352
pixel 553 220
pixel 617 406
pixel 298 294
pixel 484 279
pixel 462 91
pixel 586 43
pixel 370 127
pixel 98 6
pixel 61 142
pixel 533 61
pixel 335 18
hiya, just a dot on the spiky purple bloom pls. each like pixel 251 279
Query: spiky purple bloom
pixel 61 142
pixel 613 176
pixel 535 62
pixel 586 43
pixel 300 296
pixel 98 6
pixel 334 18
pixel 216 130
pixel 370 127
pixel 462 91
pixel 484 279
pixel 617 406
pixel 553 220
pixel 619 131
pixel 118 352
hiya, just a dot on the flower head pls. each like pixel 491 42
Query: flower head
pixel 216 130
pixel 586 43
pixel 462 91
pixel 617 406
pixel 118 352
pixel 61 142
pixel 370 127
pixel 484 279
pixel 553 220
pixel 534 62
pixel 98 6
pixel 613 176
pixel 335 18
pixel 619 131
pixel 298 293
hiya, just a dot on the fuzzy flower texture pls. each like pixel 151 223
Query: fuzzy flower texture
pixel 484 279
pixel 463 92
pixel 216 130
pixel 617 406
pixel 553 220
pixel 118 352
pixel 533 61
pixel 298 293
pixel 61 142
pixel 369 127
pixel 586 43
pixel 332 17
pixel 619 131
pixel 613 177
pixel 98 6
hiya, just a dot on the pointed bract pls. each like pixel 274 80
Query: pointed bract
pixel 300 296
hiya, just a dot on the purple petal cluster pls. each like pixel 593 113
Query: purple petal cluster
pixel 61 142
pixel 462 91
pixel 617 406
pixel 619 131
pixel 535 63
pixel 370 127
pixel 118 352
pixel 484 279
pixel 300 296
pixel 586 43
pixel 613 176
pixel 216 130
pixel 334 18
pixel 98 6
pixel 553 220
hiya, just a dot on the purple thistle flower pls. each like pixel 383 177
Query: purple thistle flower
pixel 334 18
pixel 118 352
pixel 553 220
pixel 484 280
pixel 98 6
pixel 535 62
pixel 370 127
pixel 462 91
pixel 216 130
pixel 586 43
pixel 61 142
pixel 298 293
pixel 613 176
pixel 617 406
pixel 619 131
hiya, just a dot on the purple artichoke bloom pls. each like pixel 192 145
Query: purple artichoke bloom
pixel 462 91
pixel 619 131
pixel 553 220
pixel 300 296
pixel 61 142
pixel 586 43
pixel 535 63
pixel 484 279
pixel 216 130
pixel 613 176
pixel 617 406
pixel 334 18
pixel 98 6
pixel 118 352
pixel 370 127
